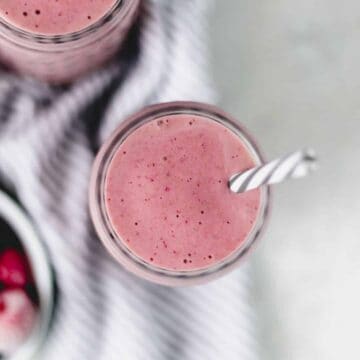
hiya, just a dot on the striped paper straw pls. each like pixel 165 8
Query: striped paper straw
pixel 294 165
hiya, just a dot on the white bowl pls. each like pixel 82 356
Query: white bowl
pixel 11 213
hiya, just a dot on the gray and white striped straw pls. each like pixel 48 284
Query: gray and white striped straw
pixel 294 165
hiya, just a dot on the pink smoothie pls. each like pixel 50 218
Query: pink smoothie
pixel 53 17
pixel 167 196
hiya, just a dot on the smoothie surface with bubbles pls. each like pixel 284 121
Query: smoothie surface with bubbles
pixel 167 195
pixel 54 17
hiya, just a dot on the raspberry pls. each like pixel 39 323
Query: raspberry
pixel 14 269
pixel 17 318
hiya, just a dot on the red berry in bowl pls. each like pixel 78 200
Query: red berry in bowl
pixel 17 318
pixel 14 269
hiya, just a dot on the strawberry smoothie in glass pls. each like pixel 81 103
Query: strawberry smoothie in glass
pixel 60 40
pixel 159 194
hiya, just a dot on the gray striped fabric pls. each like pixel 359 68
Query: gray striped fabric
pixel 48 137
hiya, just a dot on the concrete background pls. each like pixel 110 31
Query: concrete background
pixel 290 72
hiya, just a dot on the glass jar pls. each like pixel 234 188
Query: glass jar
pixel 63 58
pixel 117 247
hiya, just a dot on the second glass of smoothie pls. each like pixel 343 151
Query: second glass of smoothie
pixel 58 41
pixel 159 195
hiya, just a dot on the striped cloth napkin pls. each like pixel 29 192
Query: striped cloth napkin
pixel 48 138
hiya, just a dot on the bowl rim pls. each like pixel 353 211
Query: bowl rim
pixel 19 221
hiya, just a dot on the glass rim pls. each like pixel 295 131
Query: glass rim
pixel 113 242
pixel 118 7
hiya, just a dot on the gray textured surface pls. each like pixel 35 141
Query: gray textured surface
pixel 290 72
